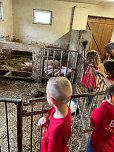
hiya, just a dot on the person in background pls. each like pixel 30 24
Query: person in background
pixel 102 124
pixel 110 50
pixel 89 77
pixel 109 72
pixel 74 107
pixel 57 122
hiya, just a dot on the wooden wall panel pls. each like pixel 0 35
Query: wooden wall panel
pixel 102 29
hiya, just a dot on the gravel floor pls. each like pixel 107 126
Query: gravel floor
pixel 23 90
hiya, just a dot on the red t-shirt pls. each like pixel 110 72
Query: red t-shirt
pixel 55 137
pixel 89 78
pixel 102 119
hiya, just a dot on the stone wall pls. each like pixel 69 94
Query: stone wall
pixel 36 59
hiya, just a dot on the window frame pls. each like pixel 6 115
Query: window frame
pixel 1 11
pixel 45 11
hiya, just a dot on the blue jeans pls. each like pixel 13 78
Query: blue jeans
pixel 89 146
pixel 90 98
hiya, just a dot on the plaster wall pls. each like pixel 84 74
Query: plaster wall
pixel 6 24
pixel 26 31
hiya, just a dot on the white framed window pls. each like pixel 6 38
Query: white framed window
pixel 42 16
pixel 1 11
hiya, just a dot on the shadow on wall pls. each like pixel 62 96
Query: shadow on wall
pixel 63 42
pixel 73 40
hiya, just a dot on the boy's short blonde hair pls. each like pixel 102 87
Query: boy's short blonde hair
pixel 59 88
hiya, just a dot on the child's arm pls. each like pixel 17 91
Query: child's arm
pixel 107 81
pixel 99 72
pixel 42 121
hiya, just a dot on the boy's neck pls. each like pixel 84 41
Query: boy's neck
pixel 61 111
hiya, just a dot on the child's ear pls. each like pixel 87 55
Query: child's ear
pixel 113 100
pixel 108 97
pixel 53 100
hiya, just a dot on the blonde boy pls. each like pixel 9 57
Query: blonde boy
pixel 57 123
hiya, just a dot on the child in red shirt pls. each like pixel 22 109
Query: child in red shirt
pixel 102 123
pixel 89 77
pixel 57 123
pixel 109 71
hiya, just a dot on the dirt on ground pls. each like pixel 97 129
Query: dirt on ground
pixel 19 90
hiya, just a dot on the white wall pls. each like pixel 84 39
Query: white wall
pixel 26 31
pixel 83 10
pixel 6 25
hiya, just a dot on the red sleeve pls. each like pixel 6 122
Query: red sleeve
pixel 96 67
pixel 55 142
pixel 97 116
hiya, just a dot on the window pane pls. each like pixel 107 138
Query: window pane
pixel 43 17
pixel 1 11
